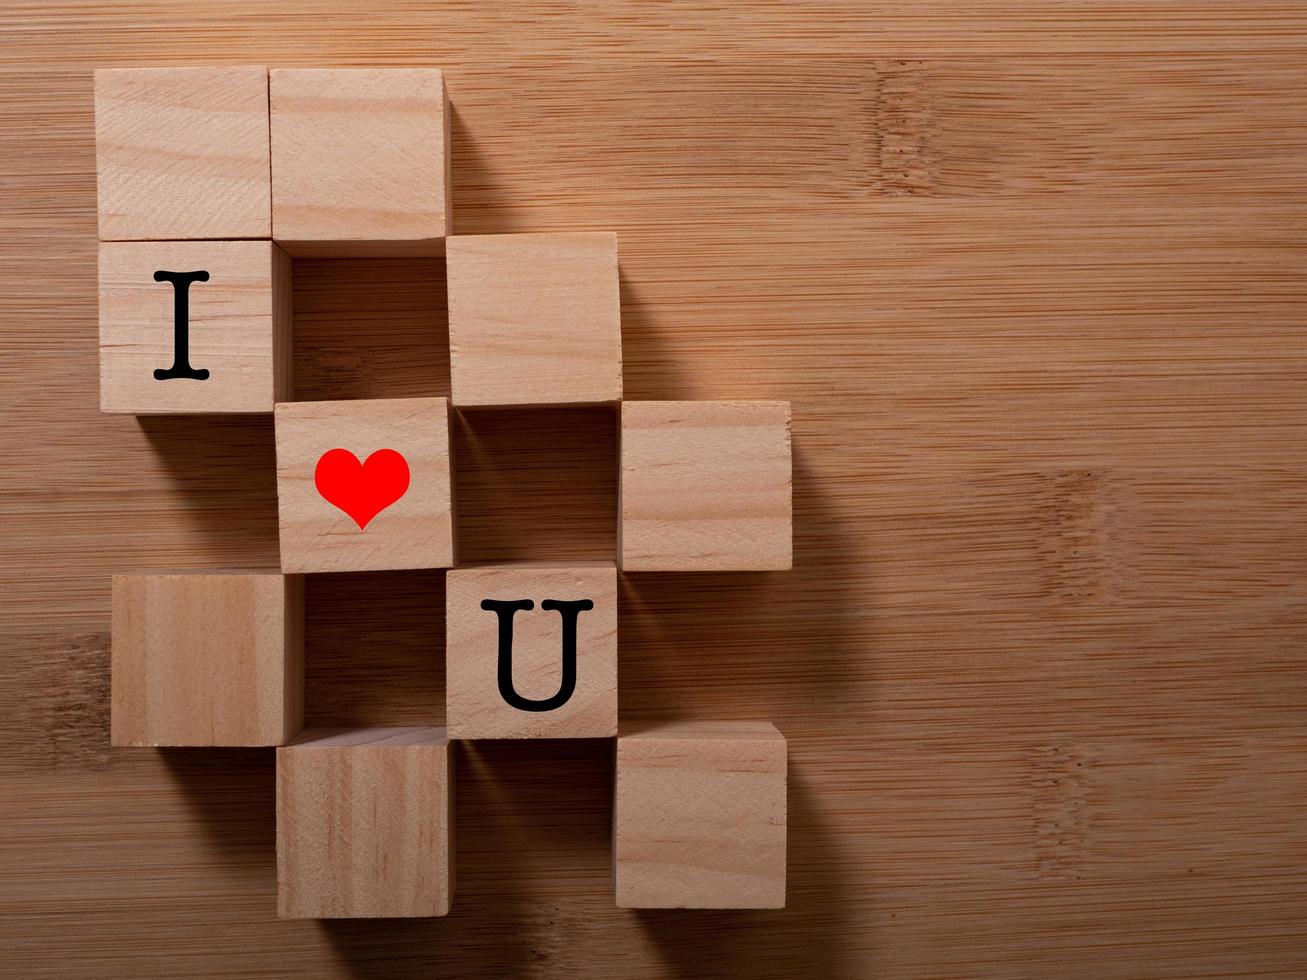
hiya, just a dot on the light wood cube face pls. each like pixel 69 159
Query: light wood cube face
pixel 706 486
pixel 364 485
pixel 182 153
pixel 237 327
pixel 360 160
pixel 700 816
pixel 207 659
pixel 364 824
pixel 534 319
pixel 534 693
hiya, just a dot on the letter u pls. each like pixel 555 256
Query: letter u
pixel 570 610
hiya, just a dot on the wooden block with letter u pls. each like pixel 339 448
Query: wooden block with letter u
pixel 531 651
pixel 365 824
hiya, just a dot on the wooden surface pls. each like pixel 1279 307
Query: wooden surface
pixel 406 521
pixel 363 824
pixel 474 704
pixel 699 816
pixel 238 327
pixel 183 153
pixel 359 158
pixel 207 659
pixel 706 486
pixel 1033 277
pixel 534 319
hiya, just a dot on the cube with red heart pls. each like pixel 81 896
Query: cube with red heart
pixel 364 485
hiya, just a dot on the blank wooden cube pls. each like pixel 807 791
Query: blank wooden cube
pixel 534 319
pixel 476 706
pixel 238 327
pixel 700 816
pixel 365 824
pixel 182 153
pixel 360 161
pixel 705 486
pixel 207 658
pixel 355 527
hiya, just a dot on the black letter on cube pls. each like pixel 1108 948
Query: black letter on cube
pixel 569 610
pixel 181 321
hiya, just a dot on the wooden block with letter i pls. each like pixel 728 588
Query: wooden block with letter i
pixel 531 651
pixel 364 485
pixel 705 486
pixel 182 153
pixel 360 161
pixel 534 319
pixel 364 824
pixel 194 327
pixel 699 819
pixel 207 658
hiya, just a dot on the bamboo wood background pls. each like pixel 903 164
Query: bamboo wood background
pixel 1033 275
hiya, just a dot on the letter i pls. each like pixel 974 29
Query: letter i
pixel 181 335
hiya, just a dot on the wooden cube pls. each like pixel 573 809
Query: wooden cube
pixel 182 153
pixel 235 327
pixel 360 161
pixel 364 485
pixel 705 486
pixel 533 692
pixel 534 319
pixel 699 818
pixel 207 658
pixel 365 824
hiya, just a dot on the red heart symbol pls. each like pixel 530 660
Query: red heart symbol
pixel 361 490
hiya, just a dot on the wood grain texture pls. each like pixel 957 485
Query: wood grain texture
pixel 414 529
pixel 1039 661
pixel 360 160
pixel 699 816
pixel 474 705
pixel 706 486
pixel 238 327
pixel 207 659
pixel 182 153
pixel 364 824
pixel 534 319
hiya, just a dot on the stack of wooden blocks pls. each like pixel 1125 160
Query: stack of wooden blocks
pixel 232 172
